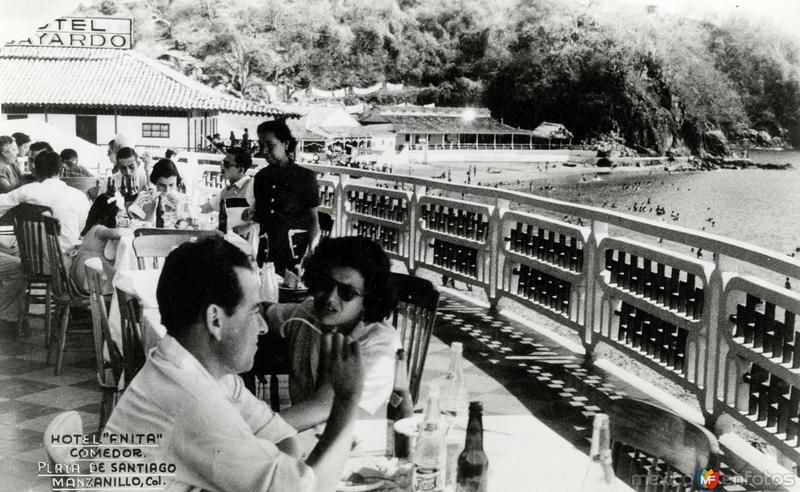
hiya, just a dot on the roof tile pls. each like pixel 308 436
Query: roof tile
pixel 36 75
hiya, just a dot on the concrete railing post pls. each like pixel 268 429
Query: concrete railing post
pixel 496 241
pixel 593 267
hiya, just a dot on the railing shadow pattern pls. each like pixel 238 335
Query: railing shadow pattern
pixel 727 337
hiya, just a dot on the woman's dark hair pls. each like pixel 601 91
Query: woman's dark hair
pixel 101 212
pixel 21 138
pixel 368 259
pixel 164 168
pixel 39 146
pixel 281 132
pixel 196 275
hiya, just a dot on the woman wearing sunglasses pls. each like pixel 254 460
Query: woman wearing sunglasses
pixel 351 293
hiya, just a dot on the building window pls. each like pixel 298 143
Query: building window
pixel 155 130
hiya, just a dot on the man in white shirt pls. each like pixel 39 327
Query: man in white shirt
pixel 216 433
pixel 127 164
pixel 240 186
pixel 69 205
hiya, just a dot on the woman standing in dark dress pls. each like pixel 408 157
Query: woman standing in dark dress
pixel 287 197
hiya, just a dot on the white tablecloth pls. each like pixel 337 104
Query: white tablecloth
pixel 524 455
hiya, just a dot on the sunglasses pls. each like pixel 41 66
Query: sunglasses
pixel 345 292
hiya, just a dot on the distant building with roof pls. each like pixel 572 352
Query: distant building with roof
pixel 99 93
pixel 444 128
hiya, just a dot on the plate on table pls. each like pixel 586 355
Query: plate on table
pixel 409 426
pixel 364 473
pixel 359 483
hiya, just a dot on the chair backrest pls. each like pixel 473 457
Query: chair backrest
pixel 133 356
pixel 418 301
pixel 325 223
pixel 63 286
pixel 108 374
pixel 647 439
pixel 150 245
pixel 29 230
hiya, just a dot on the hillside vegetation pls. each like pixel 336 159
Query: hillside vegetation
pixel 656 83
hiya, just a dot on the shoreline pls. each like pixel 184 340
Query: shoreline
pixel 517 174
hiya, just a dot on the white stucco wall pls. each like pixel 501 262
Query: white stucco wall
pixel 131 126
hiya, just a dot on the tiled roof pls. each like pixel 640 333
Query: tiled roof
pixel 54 76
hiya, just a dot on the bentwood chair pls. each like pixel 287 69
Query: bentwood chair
pixel 655 449
pixel 66 294
pixel 133 356
pixel 418 301
pixel 29 231
pixel 107 354
pixel 151 245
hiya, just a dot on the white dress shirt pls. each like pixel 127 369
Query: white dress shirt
pixel 216 433
pixel 69 205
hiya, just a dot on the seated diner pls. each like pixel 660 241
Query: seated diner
pixel 351 294
pixel 215 432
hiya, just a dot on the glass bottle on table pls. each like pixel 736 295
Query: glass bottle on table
pixel 473 463
pixel 430 452
pixel 455 397
pixel 599 475
pixel 401 406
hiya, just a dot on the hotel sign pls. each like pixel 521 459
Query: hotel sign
pixel 82 32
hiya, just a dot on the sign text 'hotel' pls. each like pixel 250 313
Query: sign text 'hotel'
pixel 82 32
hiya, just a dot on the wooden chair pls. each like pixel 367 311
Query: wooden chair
pixel 66 295
pixel 150 245
pixel 418 301
pixel 109 372
pixel 29 231
pixel 649 441
pixel 133 356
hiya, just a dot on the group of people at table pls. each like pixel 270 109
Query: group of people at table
pixel 216 432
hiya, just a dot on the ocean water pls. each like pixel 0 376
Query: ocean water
pixel 761 207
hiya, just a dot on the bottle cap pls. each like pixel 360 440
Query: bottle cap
pixel 476 406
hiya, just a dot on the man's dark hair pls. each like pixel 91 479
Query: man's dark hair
pixel 21 138
pixel 164 168
pixel 196 275
pixel 47 165
pixel 281 131
pixel 169 153
pixel 126 152
pixel 368 259
pixel 37 146
pixel 241 157
pixel 68 154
